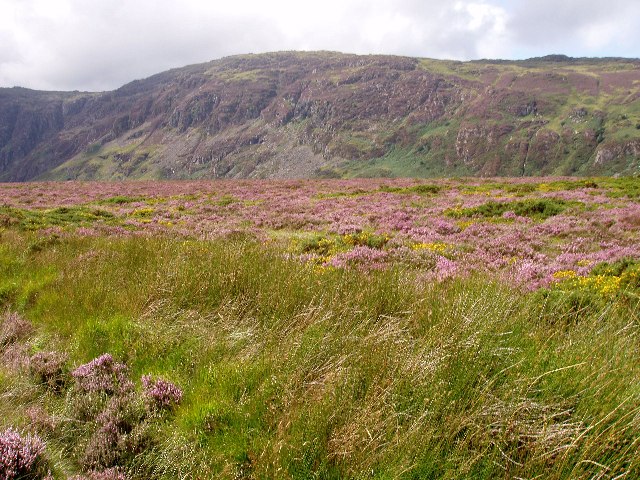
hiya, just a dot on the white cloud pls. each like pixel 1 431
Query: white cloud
pixel 101 44
pixel 577 27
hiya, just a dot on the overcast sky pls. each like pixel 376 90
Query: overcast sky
pixel 102 44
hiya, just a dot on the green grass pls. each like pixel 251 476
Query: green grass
pixel 404 162
pixel 121 200
pixel 109 161
pixel 612 187
pixel 34 219
pixel 421 189
pixel 293 373
pixel 622 187
pixel 539 209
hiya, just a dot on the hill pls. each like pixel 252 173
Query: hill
pixel 324 114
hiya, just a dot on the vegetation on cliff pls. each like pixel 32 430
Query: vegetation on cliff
pixel 322 114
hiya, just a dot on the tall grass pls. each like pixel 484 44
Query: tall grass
pixel 289 372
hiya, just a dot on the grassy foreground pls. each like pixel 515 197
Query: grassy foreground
pixel 294 372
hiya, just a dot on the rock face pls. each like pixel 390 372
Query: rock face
pixel 329 114
pixel 610 153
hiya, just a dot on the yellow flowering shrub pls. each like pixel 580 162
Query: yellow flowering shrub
pixel 440 248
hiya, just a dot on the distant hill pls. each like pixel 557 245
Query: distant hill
pixel 324 114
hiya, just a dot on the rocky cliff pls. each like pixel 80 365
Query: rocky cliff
pixel 329 114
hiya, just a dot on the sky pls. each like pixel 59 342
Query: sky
pixel 95 45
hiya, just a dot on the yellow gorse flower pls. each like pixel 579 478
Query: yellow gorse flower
pixel 436 247
pixel 564 274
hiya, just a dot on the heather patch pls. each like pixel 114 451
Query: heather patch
pixel 160 394
pixel 102 374
pixel 49 369
pixel 456 212
pixel 117 434
pixel 13 328
pixel 107 474
pixel 341 250
pixel 22 456
pixel 106 423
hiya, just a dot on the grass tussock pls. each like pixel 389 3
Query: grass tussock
pixel 285 371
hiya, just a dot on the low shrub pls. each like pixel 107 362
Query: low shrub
pixel 618 268
pixel 116 421
pixel 49 369
pixel 13 328
pixel 330 245
pixel 21 457
pixel 103 374
pixel 160 394
pixel 108 474
pixel 116 438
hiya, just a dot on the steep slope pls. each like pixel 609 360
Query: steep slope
pixel 328 114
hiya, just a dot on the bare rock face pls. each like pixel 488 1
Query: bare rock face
pixel 608 153
pixel 476 141
pixel 294 114
pixel 24 125
pixel 544 149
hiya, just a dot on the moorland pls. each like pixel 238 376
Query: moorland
pixel 364 328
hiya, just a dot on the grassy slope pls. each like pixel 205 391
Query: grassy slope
pixel 293 373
